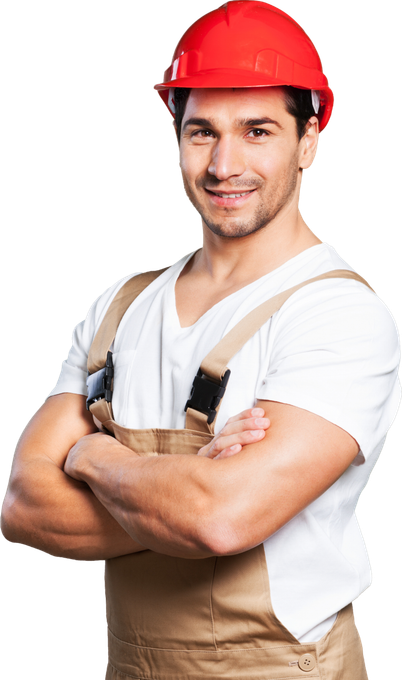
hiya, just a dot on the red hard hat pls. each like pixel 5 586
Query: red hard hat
pixel 247 44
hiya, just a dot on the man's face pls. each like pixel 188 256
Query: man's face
pixel 240 157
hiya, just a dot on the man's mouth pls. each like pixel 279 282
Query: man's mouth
pixel 225 195
pixel 229 199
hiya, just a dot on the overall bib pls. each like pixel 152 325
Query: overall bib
pixel 203 619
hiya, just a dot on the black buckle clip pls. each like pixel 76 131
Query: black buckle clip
pixel 100 383
pixel 206 395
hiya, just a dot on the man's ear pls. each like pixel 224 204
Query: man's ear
pixel 176 131
pixel 309 143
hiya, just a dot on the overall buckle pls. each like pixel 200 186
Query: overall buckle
pixel 206 394
pixel 100 383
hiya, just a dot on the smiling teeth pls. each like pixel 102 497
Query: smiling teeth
pixel 231 195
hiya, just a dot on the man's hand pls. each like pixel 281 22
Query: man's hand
pixel 91 446
pixel 245 428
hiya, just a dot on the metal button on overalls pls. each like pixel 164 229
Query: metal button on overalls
pixel 209 619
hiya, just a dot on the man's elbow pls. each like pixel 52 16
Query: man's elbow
pixel 220 536
pixel 230 527
pixel 19 521
pixel 11 523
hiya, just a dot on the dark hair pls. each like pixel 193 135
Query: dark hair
pixel 298 103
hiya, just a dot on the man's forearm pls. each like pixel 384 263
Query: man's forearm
pixel 50 511
pixel 163 502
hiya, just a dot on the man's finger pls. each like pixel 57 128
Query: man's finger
pixel 222 443
pixel 249 413
pixel 242 425
pixel 231 451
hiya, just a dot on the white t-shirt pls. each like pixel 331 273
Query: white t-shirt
pixel 332 349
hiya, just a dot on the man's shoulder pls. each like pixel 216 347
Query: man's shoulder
pixel 151 279
pixel 317 262
pixel 336 309
pixel 99 308
pixel 340 310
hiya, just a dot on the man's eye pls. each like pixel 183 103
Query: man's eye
pixel 257 133
pixel 202 133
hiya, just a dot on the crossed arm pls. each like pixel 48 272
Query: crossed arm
pixel 81 494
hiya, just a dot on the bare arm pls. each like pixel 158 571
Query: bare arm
pixel 194 506
pixel 47 509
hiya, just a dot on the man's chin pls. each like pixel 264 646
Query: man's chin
pixel 234 229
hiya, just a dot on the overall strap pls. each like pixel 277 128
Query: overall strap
pixel 214 367
pixel 213 374
pixel 110 323
pixel 98 358
pixel 215 363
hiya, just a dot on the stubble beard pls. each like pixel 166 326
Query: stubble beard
pixel 279 196
pixel 236 229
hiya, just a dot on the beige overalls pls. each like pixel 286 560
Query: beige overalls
pixel 171 618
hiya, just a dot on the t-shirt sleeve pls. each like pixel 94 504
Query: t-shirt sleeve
pixel 335 352
pixel 73 373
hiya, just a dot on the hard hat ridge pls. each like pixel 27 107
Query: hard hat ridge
pixel 247 43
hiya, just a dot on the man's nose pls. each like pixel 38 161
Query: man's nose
pixel 227 159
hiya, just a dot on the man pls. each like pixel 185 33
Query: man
pixel 323 370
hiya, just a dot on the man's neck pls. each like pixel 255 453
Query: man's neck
pixel 241 260
pixel 224 265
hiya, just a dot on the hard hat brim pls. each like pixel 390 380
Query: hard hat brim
pixel 244 79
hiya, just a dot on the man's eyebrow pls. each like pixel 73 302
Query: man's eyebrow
pixel 240 123
pixel 254 122
pixel 202 122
